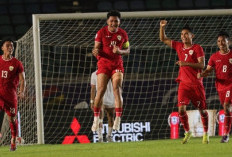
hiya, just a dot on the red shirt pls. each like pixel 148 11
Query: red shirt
pixel 222 64
pixel 187 74
pixel 107 38
pixel 9 79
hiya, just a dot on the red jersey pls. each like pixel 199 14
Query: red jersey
pixel 108 39
pixel 222 64
pixel 9 78
pixel 187 74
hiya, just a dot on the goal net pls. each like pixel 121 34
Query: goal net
pixel 64 57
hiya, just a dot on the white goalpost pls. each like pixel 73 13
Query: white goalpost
pixel 56 54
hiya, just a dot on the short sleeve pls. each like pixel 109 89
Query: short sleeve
pixel 20 68
pixel 211 61
pixel 98 36
pixel 200 51
pixel 126 37
pixel 174 44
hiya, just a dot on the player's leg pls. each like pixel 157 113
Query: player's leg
pixel 11 111
pixel 205 122
pixel 102 80
pixel 117 79
pixel 110 117
pixel 198 99
pixel 183 100
pixel 227 121
pixel 99 131
pixel 184 121
pixel 226 99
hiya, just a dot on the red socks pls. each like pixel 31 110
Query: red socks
pixel 96 111
pixel 205 119
pixel 118 112
pixel 184 120
pixel 14 128
pixel 227 123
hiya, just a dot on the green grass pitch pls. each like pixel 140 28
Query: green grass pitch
pixel 154 148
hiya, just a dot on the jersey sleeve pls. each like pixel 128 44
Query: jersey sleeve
pixel 20 68
pixel 93 79
pixel 200 51
pixel 126 43
pixel 211 61
pixel 98 36
pixel 174 44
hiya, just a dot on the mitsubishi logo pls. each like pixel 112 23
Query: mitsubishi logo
pixel 75 126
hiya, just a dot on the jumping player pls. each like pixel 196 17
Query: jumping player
pixel 111 42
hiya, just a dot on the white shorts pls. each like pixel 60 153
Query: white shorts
pixel 108 105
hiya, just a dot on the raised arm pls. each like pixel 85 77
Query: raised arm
pixel 163 36
pixel 96 48
pixel 22 85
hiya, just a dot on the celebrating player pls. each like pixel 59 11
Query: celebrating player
pixel 111 42
pixel 108 106
pixel 221 63
pixel 191 62
pixel 12 73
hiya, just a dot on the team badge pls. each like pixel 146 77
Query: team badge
pixel 230 60
pixel 190 52
pixel 11 68
pixel 119 37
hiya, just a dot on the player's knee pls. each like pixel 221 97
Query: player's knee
pixel 181 110
pixel 226 108
pixel 12 119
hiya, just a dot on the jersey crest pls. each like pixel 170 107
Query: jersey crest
pixel 230 60
pixel 190 52
pixel 119 37
pixel 11 68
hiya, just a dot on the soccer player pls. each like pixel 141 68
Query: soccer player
pixel 111 42
pixel 12 73
pixel 108 106
pixel 221 63
pixel 191 62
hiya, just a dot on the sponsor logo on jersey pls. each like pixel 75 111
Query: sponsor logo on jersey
pixel 190 52
pixel 108 36
pixel 218 60
pixel 11 68
pixel 119 37
pixel 230 60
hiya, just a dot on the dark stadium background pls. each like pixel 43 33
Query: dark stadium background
pixel 16 19
pixel 15 15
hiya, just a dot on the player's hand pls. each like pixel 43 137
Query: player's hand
pixel 163 23
pixel 21 95
pixel 199 75
pixel 116 49
pixel 204 74
pixel 95 51
pixel 91 106
pixel 182 63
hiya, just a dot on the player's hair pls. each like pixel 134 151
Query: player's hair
pixel 224 34
pixel 5 40
pixel 113 13
pixel 187 28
